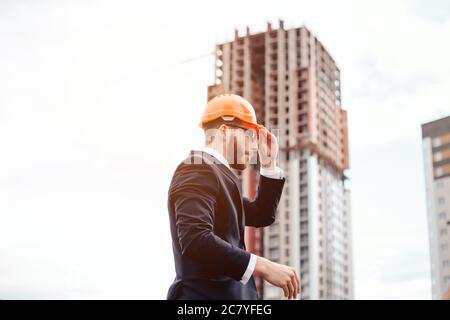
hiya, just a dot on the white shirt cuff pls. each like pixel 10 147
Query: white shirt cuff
pixel 250 268
pixel 276 173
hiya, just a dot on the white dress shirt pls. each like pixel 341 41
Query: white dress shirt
pixel 276 173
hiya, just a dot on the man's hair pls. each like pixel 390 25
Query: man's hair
pixel 214 124
pixel 210 127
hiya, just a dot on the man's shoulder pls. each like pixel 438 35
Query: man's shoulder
pixel 199 157
pixel 195 169
pixel 197 163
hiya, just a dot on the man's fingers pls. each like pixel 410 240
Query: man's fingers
pixel 266 142
pixel 297 280
pixel 291 290
pixel 263 136
pixel 263 131
pixel 286 291
pixel 266 136
pixel 295 283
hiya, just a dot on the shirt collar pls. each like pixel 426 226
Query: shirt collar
pixel 216 154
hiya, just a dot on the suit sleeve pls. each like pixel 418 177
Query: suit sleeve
pixel 261 211
pixel 195 195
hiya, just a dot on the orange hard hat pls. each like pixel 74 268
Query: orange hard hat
pixel 229 107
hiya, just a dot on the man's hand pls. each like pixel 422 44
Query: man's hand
pixel 278 275
pixel 267 148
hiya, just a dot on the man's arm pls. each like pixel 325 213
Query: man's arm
pixel 261 211
pixel 278 275
pixel 195 194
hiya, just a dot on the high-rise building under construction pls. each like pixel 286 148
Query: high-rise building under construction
pixel 294 85
pixel 436 154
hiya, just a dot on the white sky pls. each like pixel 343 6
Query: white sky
pixel 95 113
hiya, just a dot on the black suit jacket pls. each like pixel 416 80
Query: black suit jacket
pixel 207 218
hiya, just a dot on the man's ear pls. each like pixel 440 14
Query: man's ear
pixel 223 129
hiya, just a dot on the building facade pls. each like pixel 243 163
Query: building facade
pixel 436 154
pixel 294 85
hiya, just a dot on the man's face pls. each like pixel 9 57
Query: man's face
pixel 241 145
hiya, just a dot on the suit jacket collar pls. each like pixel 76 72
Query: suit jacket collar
pixel 216 154
pixel 217 158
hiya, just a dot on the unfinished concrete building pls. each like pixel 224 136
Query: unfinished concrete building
pixel 294 85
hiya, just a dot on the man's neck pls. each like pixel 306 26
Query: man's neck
pixel 216 153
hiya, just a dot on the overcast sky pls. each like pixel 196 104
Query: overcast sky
pixel 96 110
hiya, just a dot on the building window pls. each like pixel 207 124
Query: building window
pixel 438 171
pixel 443 216
pixel 440 185
pixel 437 141
pixel 444 232
pixel 273 241
pixel 444 247
pixel 274 253
pixel 438 156
pixel 441 201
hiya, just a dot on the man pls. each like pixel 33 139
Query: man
pixel 208 213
